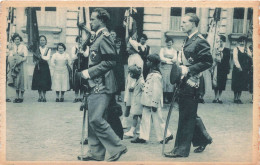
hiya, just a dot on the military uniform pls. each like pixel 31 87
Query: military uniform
pixel 102 59
pixel 196 56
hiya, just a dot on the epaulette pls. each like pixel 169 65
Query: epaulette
pixel 105 33
pixel 200 36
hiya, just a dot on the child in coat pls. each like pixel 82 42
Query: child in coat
pixel 151 100
pixel 136 106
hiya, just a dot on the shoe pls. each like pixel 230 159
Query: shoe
pixel 16 100
pixel 117 156
pixel 167 139
pixel 87 158
pixel 201 100
pixel 220 101
pixel 214 101
pixel 61 99
pixel 8 100
pixel 171 155
pixel 80 100
pixel 138 140
pixel 57 100
pixel 203 147
pixel 39 100
pixel 20 100
pixel 239 101
pixel 85 142
pixel 44 100
pixel 75 100
pixel 129 134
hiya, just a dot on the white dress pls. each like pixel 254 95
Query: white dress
pixel 60 78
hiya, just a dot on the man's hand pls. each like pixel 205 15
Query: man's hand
pixel 184 70
pixel 154 109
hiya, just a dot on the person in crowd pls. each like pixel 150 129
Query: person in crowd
pixel 41 80
pixel 151 100
pixel 7 69
pixel 195 58
pixel 220 73
pixel 133 59
pixel 251 81
pixel 168 56
pixel 16 76
pixel 80 62
pixel 60 79
pixel 136 106
pixel 113 35
pixel 240 69
pixel 144 51
pixel 119 69
pixel 102 86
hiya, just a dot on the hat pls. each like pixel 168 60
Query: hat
pixel 134 69
pixel 154 58
pixel 134 44
pixel 175 75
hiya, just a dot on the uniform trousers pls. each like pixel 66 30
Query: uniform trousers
pixel 101 136
pixel 190 126
pixel 158 122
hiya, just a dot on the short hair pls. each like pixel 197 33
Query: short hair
pixel 43 36
pixel 242 38
pixel 15 35
pixel 143 36
pixel 222 38
pixel 168 40
pixel 77 38
pixel 193 18
pixel 61 44
pixel 103 15
pixel 154 58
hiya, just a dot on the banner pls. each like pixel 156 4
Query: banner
pixel 32 29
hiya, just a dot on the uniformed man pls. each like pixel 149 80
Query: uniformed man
pixel 195 58
pixel 101 80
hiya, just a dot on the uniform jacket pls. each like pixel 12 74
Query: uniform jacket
pixel 153 90
pixel 197 52
pixel 102 59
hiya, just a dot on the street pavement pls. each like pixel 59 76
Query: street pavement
pixel 52 131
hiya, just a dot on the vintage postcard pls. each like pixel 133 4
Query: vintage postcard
pixel 129 82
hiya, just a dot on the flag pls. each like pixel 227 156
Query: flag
pixel 130 22
pixel 213 40
pixel 32 29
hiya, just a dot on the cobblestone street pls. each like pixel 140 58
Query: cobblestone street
pixel 52 131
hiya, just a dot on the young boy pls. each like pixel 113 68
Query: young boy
pixel 151 100
pixel 136 106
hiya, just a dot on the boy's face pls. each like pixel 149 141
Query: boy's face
pixel 149 63
pixel 142 41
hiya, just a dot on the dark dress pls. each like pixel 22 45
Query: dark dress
pixel 144 55
pixel 119 71
pixel 41 75
pixel 240 78
pixel 223 70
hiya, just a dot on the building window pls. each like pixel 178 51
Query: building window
pixel 46 16
pixel 241 19
pixel 176 14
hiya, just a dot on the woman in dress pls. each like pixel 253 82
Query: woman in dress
pixel 17 58
pixel 60 79
pixel 80 62
pixel 168 56
pixel 220 73
pixel 119 69
pixel 240 70
pixel 41 80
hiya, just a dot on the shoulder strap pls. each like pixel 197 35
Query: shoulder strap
pixel 46 52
